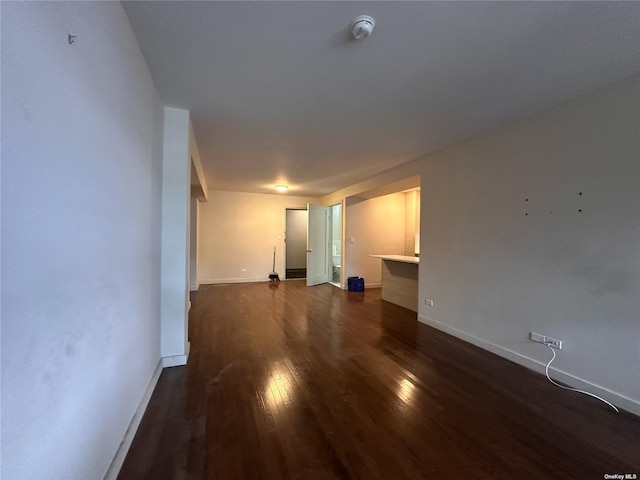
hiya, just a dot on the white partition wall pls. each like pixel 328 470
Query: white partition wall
pixel 176 194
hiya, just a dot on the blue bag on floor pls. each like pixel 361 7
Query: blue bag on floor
pixel 355 284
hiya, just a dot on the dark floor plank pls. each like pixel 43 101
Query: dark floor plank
pixel 292 382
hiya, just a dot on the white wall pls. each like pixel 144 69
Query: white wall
pixel 81 153
pixel 193 244
pixel 198 181
pixel 238 231
pixel 416 232
pixel 496 273
pixel 411 221
pixel 199 194
pixel 176 191
pixel 377 226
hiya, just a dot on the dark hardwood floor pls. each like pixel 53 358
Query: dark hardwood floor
pixel 290 382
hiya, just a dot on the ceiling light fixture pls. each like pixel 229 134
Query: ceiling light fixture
pixel 362 26
pixel 281 188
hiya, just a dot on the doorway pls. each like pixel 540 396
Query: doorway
pixel 313 244
pixel 336 245
pixel 296 243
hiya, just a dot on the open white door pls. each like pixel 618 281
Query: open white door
pixel 317 244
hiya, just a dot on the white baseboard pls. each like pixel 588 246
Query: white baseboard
pixel 216 281
pixel 617 399
pixel 121 453
pixel 176 360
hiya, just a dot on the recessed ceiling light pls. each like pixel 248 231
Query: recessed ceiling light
pixel 281 188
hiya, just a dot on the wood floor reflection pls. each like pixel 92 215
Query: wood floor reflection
pixel 290 382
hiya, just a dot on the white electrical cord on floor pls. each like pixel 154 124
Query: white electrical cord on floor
pixel 570 388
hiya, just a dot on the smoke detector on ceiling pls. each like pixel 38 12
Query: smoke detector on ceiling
pixel 362 26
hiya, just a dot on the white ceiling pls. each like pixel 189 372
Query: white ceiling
pixel 279 92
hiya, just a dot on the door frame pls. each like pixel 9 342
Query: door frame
pixel 341 240
pixel 284 239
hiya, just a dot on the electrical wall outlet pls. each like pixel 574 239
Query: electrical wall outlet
pixel 428 302
pixel 552 342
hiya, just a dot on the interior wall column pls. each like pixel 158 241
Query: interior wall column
pixel 176 167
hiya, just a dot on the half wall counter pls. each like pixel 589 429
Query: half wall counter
pixel 400 280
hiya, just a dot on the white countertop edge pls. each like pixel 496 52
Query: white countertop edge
pixel 398 258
